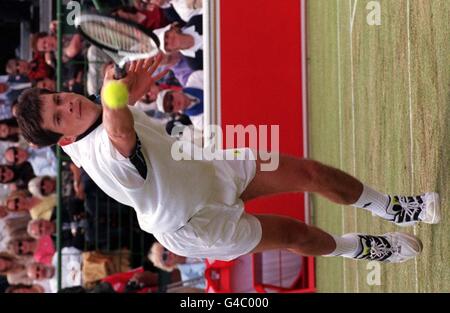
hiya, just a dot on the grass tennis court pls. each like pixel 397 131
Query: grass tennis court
pixel 379 109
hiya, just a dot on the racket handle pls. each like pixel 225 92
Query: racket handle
pixel 119 72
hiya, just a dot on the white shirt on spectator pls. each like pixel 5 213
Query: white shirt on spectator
pixel 182 9
pixel 70 269
pixel 43 161
pixel 195 80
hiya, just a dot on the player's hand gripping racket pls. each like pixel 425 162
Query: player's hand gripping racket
pixel 122 40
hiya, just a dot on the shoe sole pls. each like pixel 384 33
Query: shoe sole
pixel 413 238
pixel 433 213
pixel 417 248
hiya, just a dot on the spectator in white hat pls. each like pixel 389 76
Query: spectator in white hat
pixel 188 101
pixel 42 186
pixel 188 40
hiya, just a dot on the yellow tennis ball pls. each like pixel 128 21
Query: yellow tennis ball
pixel 115 95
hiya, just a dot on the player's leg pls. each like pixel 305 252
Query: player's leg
pixel 280 232
pixel 305 175
pixel 300 175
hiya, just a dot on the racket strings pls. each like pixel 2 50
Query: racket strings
pixel 118 36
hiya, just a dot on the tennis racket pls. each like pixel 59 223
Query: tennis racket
pixel 122 40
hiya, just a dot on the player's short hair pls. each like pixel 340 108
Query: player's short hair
pixel 29 118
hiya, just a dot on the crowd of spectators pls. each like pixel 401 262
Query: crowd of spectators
pixel 90 221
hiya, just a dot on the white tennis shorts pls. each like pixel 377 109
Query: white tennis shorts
pixel 220 231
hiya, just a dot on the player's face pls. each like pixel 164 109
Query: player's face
pixel 69 114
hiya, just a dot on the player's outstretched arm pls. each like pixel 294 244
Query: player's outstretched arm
pixel 118 120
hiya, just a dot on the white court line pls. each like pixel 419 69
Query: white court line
pixel 338 21
pixel 408 24
pixel 353 14
pixel 353 112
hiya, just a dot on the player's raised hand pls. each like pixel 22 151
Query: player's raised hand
pixel 139 77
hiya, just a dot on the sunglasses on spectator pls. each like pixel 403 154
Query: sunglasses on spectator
pixel 16 204
pixel 42 187
pixel 168 103
pixel 20 250
pixel 38 272
pixel 165 255
pixel 15 155
pixel 17 67
pixel 2 174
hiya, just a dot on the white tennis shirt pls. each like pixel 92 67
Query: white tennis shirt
pixel 173 190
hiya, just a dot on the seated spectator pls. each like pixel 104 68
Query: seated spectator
pixel 42 249
pixel 43 160
pixel 188 101
pixel 45 249
pixel 186 9
pixel 40 228
pixel 22 247
pixel 11 88
pixel 191 269
pixel 150 19
pixel 70 270
pixel 14 269
pixel 39 208
pixel 178 66
pixel 72 60
pixel 148 103
pixel 34 70
pixel 21 288
pixel 187 40
pixel 72 234
pixel 9 130
pixel 42 186
pixel 72 85
pixel 19 176
pixel 13 227
pixel 72 45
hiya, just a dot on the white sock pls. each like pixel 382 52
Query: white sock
pixel 374 202
pixel 347 246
